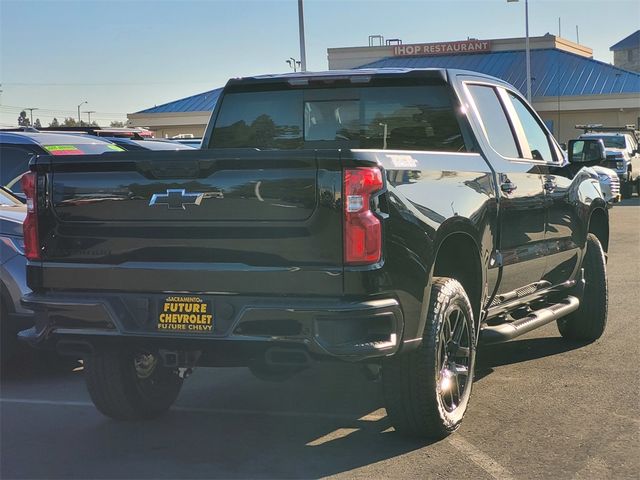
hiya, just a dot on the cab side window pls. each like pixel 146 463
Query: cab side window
pixel 536 136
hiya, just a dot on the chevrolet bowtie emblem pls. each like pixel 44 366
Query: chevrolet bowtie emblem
pixel 176 199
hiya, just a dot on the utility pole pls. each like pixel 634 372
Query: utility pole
pixel 79 105
pixel 31 109
pixel 303 53
pixel 89 112
pixel 577 35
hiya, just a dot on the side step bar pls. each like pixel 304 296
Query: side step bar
pixel 507 331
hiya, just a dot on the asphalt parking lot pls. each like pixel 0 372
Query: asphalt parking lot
pixel 541 408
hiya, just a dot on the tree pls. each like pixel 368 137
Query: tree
pixel 69 122
pixel 55 123
pixel 37 123
pixel 23 121
pixel 117 124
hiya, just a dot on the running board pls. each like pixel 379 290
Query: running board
pixel 507 331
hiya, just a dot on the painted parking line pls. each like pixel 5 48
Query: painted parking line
pixel 481 459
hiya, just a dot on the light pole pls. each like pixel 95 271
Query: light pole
pixel 303 53
pixel 89 112
pixel 293 63
pixel 31 109
pixel 79 119
pixel 526 46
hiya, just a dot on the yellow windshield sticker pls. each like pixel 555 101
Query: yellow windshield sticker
pixel 116 148
pixel 186 314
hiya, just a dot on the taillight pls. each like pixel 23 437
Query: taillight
pixel 362 229
pixel 30 225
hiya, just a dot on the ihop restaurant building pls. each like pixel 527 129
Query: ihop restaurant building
pixel 568 85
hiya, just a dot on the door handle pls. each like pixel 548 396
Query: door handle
pixel 508 186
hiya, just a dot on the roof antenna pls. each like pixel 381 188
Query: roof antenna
pixel 559 27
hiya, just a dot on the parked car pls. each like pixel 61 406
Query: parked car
pixel 13 282
pixel 131 144
pixel 17 148
pixel 623 153
pixel 397 218
pixel 192 142
pixel 607 178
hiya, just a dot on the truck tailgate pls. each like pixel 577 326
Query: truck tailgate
pixel 241 221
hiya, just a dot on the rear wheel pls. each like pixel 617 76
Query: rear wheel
pixel 589 321
pixel 427 390
pixel 130 384
pixel 626 189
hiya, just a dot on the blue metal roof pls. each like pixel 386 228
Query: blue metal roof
pixel 632 41
pixel 202 102
pixel 554 72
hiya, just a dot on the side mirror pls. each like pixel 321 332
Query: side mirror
pixel 586 151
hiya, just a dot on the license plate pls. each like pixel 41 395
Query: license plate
pixel 188 314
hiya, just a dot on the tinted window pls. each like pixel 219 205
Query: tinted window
pixel 494 120
pixel 407 118
pixel 332 120
pixel 259 120
pixel 413 118
pixel 13 163
pixel 536 136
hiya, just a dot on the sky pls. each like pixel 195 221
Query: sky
pixel 122 56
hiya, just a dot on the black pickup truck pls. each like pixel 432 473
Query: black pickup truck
pixel 398 218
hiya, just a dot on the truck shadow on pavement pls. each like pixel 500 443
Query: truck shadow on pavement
pixel 518 351
pixel 227 424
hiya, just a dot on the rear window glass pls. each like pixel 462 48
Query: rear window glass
pixel 82 148
pixel 402 118
pixel 269 120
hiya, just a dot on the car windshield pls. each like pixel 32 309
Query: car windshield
pixel 611 141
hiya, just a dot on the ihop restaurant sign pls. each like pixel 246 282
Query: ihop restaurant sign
pixel 445 48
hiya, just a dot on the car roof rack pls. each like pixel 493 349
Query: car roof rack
pixel 598 127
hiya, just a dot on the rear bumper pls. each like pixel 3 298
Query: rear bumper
pixel 243 327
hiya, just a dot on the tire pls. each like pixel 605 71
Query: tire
pixel 626 189
pixel 130 385
pixel 419 385
pixel 589 321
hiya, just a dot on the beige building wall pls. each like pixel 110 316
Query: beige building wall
pixel 353 57
pixel 564 122
pixel 567 112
